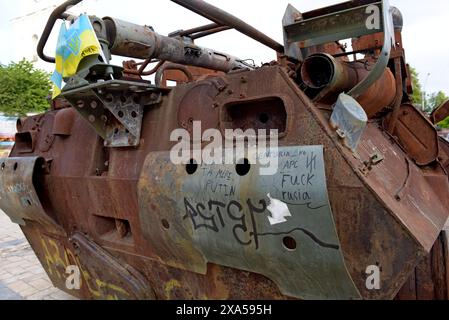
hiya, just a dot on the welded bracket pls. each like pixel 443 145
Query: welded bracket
pixel 114 108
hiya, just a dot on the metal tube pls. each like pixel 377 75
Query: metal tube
pixel 55 15
pixel 323 72
pixel 171 66
pixel 223 18
pixel 209 32
pixel 188 32
pixel 134 41
pixel 176 51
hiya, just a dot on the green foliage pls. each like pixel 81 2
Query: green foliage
pixel 444 124
pixel 435 100
pixel 417 89
pixel 23 89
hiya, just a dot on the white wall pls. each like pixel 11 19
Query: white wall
pixel 7 126
pixel 27 29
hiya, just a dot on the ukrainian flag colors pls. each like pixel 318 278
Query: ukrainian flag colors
pixel 74 44
pixel 57 75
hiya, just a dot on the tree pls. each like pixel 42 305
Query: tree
pixel 435 100
pixel 417 89
pixel 23 89
pixel 444 124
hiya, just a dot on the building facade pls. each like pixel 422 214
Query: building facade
pixel 27 29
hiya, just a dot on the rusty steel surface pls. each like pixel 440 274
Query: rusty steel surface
pixel 18 192
pixel 92 184
pixel 90 197
pixel 441 113
pixel 429 280
pixel 422 148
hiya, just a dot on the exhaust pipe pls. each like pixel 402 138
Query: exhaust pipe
pixel 323 72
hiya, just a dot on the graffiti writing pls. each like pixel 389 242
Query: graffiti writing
pixel 58 259
pixel 297 189
pixel 212 217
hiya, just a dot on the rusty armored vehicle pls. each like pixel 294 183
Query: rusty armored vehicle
pixel 356 209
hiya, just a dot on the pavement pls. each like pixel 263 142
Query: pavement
pixel 21 274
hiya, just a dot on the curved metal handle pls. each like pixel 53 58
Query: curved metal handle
pixel 58 13
pixel 382 62
pixel 172 66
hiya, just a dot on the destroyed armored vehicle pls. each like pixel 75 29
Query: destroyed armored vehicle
pixel 356 206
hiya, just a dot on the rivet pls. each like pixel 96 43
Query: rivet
pixel 94 104
pixel 80 104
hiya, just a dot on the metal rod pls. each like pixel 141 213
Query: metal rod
pixel 171 66
pixel 187 32
pixel 398 98
pixel 338 55
pixel 154 70
pixel 223 18
pixel 209 32
pixel 142 72
pixel 55 15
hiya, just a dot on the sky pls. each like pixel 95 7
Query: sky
pixel 424 34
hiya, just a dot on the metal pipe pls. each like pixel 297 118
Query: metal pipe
pixel 392 122
pixel 58 13
pixel 171 66
pixel 223 18
pixel 142 72
pixel 323 72
pixel 154 70
pixel 188 32
pixel 200 32
pixel 209 32
pixel 134 41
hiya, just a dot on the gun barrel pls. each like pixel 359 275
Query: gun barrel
pixel 141 42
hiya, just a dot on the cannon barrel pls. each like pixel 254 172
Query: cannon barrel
pixel 135 41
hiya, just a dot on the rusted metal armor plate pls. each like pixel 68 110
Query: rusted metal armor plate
pixel 102 276
pixel 423 148
pixel 280 226
pixel 18 197
pixel 414 199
